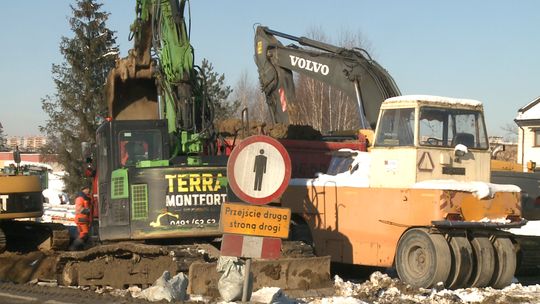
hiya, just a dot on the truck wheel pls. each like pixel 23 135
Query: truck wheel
pixel 505 263
pixel 462 261
pixel 483 262
pixel 422 259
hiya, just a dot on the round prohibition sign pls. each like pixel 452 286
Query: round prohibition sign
pixel 259 169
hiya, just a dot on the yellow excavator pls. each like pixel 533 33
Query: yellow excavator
pixel 21 203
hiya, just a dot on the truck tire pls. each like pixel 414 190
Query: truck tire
pixel 422 259
pixel 462 261
pixel 483 261
pixel 505 263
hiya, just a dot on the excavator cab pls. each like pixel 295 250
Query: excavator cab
pixel 143 193
pixel 139 145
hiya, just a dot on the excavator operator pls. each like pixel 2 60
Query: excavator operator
pixel 82 218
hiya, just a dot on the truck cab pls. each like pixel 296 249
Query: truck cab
pixel 421 138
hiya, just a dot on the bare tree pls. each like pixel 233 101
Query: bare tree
pixel 3 139
pixel 510 132
pixel 319 105
pixel 251 97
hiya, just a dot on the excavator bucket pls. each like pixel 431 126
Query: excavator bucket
pixel 131 89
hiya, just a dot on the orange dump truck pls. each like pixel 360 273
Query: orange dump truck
pixel 420 200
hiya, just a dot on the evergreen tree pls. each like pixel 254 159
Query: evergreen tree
pixel 218 92
pixel 3 139
pixel 78 104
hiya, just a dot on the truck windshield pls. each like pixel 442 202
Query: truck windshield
pixel 449 127
pixel 340 163
pixel 137 145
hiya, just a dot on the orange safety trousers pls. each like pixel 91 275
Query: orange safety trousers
pixel 83 228
pixel 82 220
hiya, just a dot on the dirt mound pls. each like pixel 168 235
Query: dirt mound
pixel 229 127
pixel 295 132
pixel 233 127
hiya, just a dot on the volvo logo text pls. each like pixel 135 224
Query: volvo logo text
pixel 309 65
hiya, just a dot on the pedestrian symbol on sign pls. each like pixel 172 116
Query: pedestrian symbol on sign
pixel 260 169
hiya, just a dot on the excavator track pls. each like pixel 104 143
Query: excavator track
pixel 124 264
pixel 2 241
pixel 26 236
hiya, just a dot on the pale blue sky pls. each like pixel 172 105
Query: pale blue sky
pixel 486 49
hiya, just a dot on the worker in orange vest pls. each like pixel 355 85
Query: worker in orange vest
pixel 82 218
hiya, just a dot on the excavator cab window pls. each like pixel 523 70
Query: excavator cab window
pixel 396 128
pixel 138 145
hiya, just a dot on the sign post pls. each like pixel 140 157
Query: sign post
pixel 259 170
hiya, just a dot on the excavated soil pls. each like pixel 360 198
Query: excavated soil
pixel 233 127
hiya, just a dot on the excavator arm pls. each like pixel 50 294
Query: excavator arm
pixel 350 70
pixel 158 80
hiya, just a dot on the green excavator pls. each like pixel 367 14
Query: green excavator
pixel 159 181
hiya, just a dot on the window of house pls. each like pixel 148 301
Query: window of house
pixel 537 138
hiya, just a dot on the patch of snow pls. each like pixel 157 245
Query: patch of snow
pixel 530 111
pixel 62 214
pixel 55 194
pixel 27 163
pixel 381 289
pixel 110 53
pixel 479 189
pixel 55 197
pixel 434 99
pixel 532 228
pixel 270 295
pixel 338 300
pixel 56 180
pixel 501 220
pixel 356 176
pixel 462 148
pixel 470 295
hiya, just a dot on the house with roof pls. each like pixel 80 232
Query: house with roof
pixel 528 121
